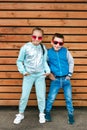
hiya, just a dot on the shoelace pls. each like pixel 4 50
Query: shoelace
pixel 18 116
pixel 42 116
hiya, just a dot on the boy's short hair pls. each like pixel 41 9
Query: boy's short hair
pixel 39 29
pixel 58 35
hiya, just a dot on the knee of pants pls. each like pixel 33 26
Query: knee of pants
pixel 24 97
pixel 51 98
pixel 69 100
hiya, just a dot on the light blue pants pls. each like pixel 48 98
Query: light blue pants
pixel 40 87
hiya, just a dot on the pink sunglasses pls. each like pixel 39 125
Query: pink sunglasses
pixel 34 37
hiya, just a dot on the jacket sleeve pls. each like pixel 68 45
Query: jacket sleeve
pixel 71 63
pixel 20 61
pixel 47 69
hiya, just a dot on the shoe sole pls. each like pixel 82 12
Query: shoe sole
pixel 48 120
pixel 42 122
pixel 18 122
pixel 70 123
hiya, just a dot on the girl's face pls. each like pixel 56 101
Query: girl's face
pixel 57 43
pixel 37 37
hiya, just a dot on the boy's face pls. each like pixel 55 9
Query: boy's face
pixel 57 43
pixel 37 37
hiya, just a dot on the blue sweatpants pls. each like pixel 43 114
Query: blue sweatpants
pixel 40 87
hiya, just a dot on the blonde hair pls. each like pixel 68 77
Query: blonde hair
pixel 39 29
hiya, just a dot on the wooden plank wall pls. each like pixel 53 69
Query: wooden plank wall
pixel 17 19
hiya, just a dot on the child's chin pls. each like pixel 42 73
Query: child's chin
pixel 56 49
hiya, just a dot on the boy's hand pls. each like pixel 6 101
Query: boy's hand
pixel 68 77
pixel 51 76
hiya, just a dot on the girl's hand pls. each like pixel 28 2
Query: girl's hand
pixel 46 74
pixel 26 74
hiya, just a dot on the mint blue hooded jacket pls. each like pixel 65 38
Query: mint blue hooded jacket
pixel 32 60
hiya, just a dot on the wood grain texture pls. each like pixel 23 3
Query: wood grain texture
pixel 17 19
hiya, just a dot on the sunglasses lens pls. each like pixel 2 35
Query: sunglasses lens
pixel 60 43
pixel 55 42
pixel 34 37
pixel 39 38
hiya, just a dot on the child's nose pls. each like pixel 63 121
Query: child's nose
pixel 36 38
pixel 58 44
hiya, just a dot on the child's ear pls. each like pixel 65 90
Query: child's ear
pixel 51 42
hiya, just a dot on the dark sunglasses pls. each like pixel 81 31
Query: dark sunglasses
pixel 34 37
pixel 56 42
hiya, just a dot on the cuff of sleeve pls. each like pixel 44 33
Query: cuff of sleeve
pixel 69 74
pixel 24 73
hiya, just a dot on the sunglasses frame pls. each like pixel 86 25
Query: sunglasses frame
pixel 34 37
pixel 56 42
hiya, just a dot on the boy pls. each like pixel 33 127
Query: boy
pixel 32 63
pixel 61 64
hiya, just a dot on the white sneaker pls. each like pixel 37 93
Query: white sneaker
pixel 18 119
pixel 42 118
